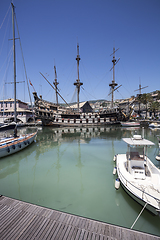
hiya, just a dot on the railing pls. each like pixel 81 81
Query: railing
pixel 128 183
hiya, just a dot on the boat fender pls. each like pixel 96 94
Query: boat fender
pixel 13 146
pixel 19 145
pixel 8 149
pixel 25 143
pixel 117 184
pixel 115 158
pixel 158 157
pixel 28 142
pixel 114 170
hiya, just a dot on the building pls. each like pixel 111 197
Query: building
pixel 24 114
pixel 84 107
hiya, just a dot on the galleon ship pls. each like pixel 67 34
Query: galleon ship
pixel 53 114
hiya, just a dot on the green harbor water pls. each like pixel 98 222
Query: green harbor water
pixel 71 170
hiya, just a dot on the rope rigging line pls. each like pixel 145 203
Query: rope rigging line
pixel 5 35
pixel 74 95
pixel 5 17
pixel 87 78
pixel 89 94
pixel 24 68
pixel 8 56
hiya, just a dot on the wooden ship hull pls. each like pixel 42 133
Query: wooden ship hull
pixel 48 113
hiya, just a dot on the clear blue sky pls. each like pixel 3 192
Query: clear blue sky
pixel 49 31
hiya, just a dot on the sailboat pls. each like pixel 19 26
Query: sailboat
pixel 16 143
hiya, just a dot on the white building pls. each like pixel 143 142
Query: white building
pixel 7 111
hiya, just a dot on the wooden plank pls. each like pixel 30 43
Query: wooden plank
pixel 59 231
pixel 67 232
pixel 40 223
pixel 86 235
pixel 8 219
pixel 47 230
pixel 11 225
pixel 35 222
pixel 52 230
pixel 64 231
pixel 19 226
pixel 56 230
pixel 74 233
pixel 30 227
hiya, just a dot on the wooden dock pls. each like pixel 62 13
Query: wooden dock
pixel 21 220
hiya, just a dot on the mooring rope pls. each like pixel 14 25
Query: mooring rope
pixel 139 215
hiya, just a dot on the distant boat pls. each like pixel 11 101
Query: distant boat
pixel 154 125
pixel 16 143
pixel 7 126
pixel 139 177
pixel 130 124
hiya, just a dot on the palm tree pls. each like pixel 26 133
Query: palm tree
pixel 145 99
pixel 154 107
pixel 139 103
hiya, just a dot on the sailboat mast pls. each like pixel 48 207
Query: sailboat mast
pixel 14 63
pixel 55 84
pixel 78 83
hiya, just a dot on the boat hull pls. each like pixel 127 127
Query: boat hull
pixel 58 124
pixel 14 145
pixel 130 124
pixel 139 200
pixel 132 186
pixel 6 127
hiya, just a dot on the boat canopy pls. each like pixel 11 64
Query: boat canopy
pixel 137 140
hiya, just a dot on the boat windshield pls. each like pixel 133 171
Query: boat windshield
pixel 136 153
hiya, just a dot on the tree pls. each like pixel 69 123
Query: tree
pixel 158 96
pixel 154 107
pixel 146 98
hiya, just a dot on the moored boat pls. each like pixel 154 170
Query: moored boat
pixel 12 145
pixel 139 177
pixel 154 125
pixel 53 114
pixel 130 124
pixel 7 126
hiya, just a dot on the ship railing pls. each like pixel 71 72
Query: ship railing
pixel 131 186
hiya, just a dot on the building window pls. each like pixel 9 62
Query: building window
pixel 6 104
pixel 10 104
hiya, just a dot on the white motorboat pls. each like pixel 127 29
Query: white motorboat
pixel 138 175
pixel 7 126
pixel 130 124
pixel 154 125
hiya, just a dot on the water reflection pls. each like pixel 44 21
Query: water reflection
pixel 71 170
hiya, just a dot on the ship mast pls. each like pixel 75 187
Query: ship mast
pixel 78 83
pixel 113 84
pixel 14 63
pixel 55 84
